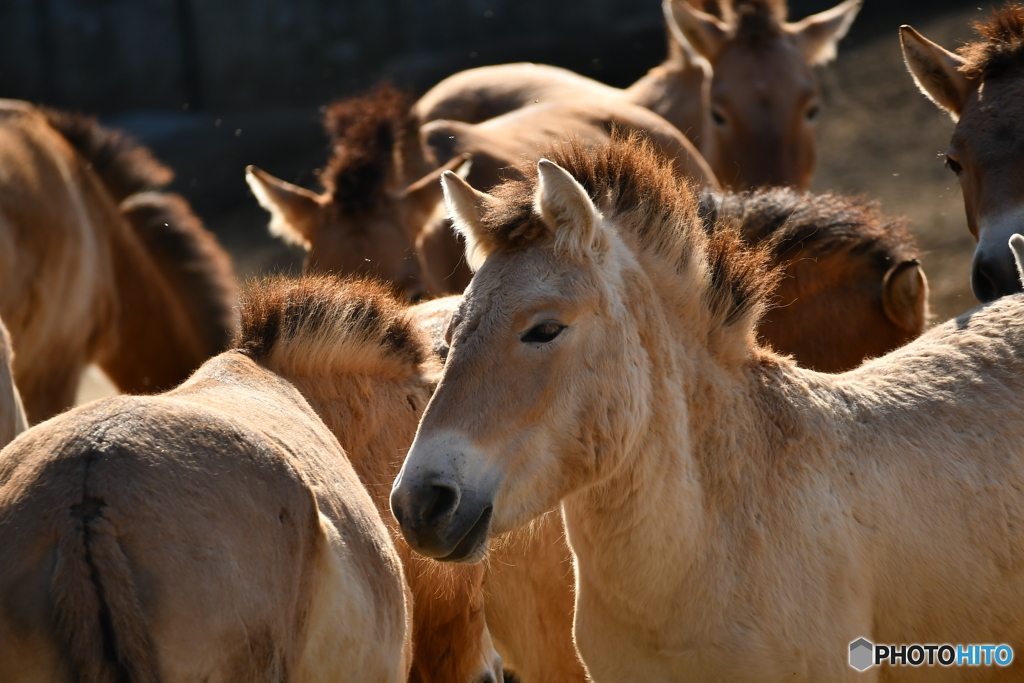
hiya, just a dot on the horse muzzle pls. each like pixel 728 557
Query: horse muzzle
pixel 994 274
pixel 439 515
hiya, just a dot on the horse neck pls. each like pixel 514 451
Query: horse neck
pixel 676 90
pixel 153 343
pixel 712 424
pixel 374 417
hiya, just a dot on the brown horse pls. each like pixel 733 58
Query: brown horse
pixel 216 532
pixel 370 222
pixel 737 81
pixel 728 511
pixel 852 286
pixel 357 357
pixel 981 87
pixel 98 267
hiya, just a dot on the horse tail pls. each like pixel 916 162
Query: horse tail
pixel 99 616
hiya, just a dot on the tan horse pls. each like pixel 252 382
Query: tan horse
pixel 732 516
pixel 12 414
pixel 981 87
pixel 369 221
pixel 93 270
pixel 216 532
pixel 737 81
pixel 354 354
pixel 851 289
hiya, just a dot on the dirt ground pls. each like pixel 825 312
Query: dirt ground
pixel 879 137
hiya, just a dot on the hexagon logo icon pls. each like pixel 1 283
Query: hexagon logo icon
pixel 861 652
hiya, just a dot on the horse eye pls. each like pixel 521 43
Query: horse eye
pixel 717 117
pixel 813 112
pixel 542 333
pixel 954 165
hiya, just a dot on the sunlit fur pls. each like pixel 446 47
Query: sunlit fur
pixel 359 359
pixel 751 66
pixel 728 511
pixel 216 532
pixel 97 266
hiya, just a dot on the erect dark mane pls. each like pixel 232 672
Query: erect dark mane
pixel 196 266
pixel 318 318
pixel 798 224
pixel 1002 47
pixel 363 132
pixel 124 165
pixel 632 184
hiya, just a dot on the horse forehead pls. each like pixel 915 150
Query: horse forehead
pixel 990 123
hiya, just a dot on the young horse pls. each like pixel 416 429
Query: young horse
pixel 981 88
pixel 215 532
pixel 737 81
pixel 732 516
pixel 368 223
pixel 12 414
pixel 95 271
pixel 354 354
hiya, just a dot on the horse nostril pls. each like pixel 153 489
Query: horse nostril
pixel 982 285
pixel 441 503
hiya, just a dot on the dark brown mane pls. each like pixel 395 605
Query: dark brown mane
pixel 363 132
pixel 195 265
pixel 1002 47
pixel 324 316
pixel 123 164
pixel 793 223
pixel 757 20
pixel 632 184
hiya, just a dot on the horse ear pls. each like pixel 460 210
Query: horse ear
pixel 1017 247
pixel 295 212
pixel 465 206
pixel 936 71
pixel 420 198
pixel 818 34
pixel 698 31
pixel 568 211
pixel 905 296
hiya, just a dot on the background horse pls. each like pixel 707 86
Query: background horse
pixel 95 268
pixel 12 413
pixel 980 87
pixel 369 222
pixel 737 82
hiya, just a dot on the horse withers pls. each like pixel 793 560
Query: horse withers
pixel 981 87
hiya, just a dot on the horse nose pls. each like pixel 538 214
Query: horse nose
pixel 427 504
pixel 993 276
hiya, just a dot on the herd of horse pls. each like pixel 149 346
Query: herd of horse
pixel 578 383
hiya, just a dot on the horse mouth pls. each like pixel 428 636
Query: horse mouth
pixel 469 548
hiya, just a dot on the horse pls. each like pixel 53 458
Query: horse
pixel 98 265
pixel 979 87
pixel 852 289
pixel 214 532
pixel 370 222
pixel 737 82
pixel 852 286
pixel 357 356
pixel 732 516
pixel 12 413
